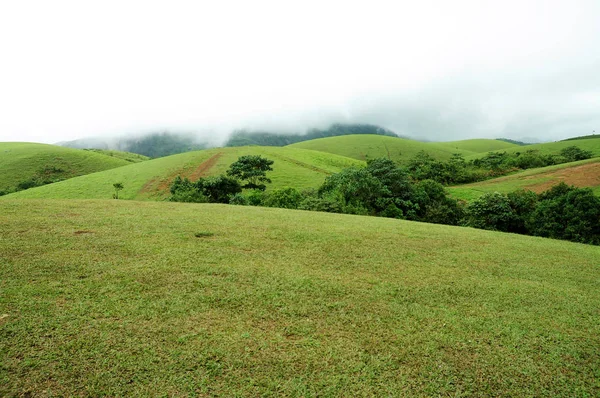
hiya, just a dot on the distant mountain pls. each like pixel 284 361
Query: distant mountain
pixel 266 138
pixel 153 145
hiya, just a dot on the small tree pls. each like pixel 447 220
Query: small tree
pixel 252 169
pixel 118 186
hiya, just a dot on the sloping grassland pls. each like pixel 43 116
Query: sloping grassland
pixel 125 298
pixel 151 179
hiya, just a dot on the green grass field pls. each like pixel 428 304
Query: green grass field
pixel 583 174
pixel 21 161
pixel 298 168
pixel 120 298
pixel 366 147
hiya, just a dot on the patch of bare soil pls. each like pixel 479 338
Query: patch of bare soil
pixel 586 175
pixel 163 184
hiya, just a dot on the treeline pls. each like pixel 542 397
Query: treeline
pixel 494 164
pixel 384 189
pixel 265 138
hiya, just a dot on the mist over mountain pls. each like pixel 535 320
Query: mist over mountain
pixel 168 143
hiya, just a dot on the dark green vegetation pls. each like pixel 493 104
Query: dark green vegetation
pixel 122 298
pixel 151 145
pixel 27 165
pixel 562 212
pixel 252 171
pixel 264 138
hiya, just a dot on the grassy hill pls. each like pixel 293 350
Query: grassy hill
pixel 128 156
pixel 298 168
pixel 21 161
pixel 365 147
pixel 121 298
pixel 588 144
pixel 585 173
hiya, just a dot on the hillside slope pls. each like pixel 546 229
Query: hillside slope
pixel 582 174
pixel 21 161
pixel 588 144
pixel 151 179
pixel 121 298
pixel 366 147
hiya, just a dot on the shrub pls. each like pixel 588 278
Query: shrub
pixel 490 211
pixel 568 213
pixel 287 198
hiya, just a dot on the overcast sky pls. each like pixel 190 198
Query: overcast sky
pixel 441 70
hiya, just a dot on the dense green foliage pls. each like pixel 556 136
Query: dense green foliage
pixel 217 189
pixel 563 212
pixel 252 171
pixel 380 189
pixel 245 137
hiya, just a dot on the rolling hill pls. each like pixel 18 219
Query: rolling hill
pixel 582 174
pixel 128 156
pixel 364 147
pixel 123 298
pixel 298 168
pixel 588 144
pixel 21 162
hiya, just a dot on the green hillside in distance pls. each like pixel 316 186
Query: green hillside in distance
pixel 582 174
pixel 297 168
pixel 588 144
pixel 128 156
pixel 123 298
pixel 23 161
pixel 267 138
pixel 364 147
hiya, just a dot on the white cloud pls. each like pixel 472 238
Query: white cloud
pixel 72 69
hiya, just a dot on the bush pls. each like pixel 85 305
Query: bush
pixel 491 211
pixel 569 213
pixel 286 198
pixel 574 153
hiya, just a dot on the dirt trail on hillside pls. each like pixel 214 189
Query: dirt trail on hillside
pixel 586 175
pixel 204 167
pixel 161 185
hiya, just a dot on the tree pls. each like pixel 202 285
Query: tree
pixel 567 212
pixel 219 189
pixel 491 211
pixel 118 186
pixel 252 169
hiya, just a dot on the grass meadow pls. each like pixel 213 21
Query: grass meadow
pixel 122 298
pixel 298 168
pixel 364 147
pixel 20 161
